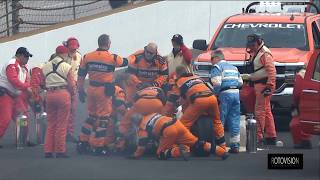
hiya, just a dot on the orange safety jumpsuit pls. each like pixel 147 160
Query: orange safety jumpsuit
pixel 171 133
pixel 146 101
pixel 198 100
pixel 59 82
pixel 264 76
pixel 141 71
pixel 100 65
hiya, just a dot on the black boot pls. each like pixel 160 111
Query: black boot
pixel 234 150
pixel 71 138
pixel 101 151
pixel 31 144
pixel 83 147
pixel 184 153
pixel 304 144
pixel 48 155
pixel 270 141
pixel 62 155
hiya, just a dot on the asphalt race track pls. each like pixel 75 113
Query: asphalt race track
pixel 29 164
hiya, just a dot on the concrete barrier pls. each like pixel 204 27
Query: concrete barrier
pixel 132 29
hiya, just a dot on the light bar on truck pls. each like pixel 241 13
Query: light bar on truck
pixel 282 4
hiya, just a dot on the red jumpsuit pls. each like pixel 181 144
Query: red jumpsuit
pixel 60 87
pixel 142 71
pixel 11 98
pixel 297 134
pixel 264 77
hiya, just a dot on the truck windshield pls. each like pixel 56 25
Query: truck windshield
pixel 275 35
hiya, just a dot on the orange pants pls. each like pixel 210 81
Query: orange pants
pixel 264 117
pixel 58 110
pixel 99 121
pixel 74 107
pixel 201 106
pixel 297 134
pixel 177 134
pixel 143 107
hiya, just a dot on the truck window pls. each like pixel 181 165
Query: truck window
pixel 316 73
pixel 275 35
pixel 316 35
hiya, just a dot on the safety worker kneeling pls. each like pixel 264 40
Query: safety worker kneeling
pixel 148 100
pixel 226 81
pixel 100 65
pixel 145 66
pixel 60 85
pixel 175 140
pixel 199 100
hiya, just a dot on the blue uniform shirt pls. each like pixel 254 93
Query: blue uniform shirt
pixel 225 77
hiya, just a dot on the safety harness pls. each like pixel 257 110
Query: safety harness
pixel 54 70
pixel 152 122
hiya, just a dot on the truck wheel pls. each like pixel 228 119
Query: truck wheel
pixel 203 129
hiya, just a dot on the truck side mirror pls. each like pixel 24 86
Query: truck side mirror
pixel 200 44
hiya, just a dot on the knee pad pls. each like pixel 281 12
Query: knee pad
pixel 91 120
pixel 83 147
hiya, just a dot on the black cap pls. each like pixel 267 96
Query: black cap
pixel 252 38
pixel 177 38
pixel 24 51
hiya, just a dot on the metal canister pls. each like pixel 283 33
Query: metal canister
pixel 41 125
pixel 21 131
pixel 251 134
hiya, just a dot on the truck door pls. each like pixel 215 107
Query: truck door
pixel 309 106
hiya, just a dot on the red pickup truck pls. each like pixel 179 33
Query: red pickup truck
pixel 292 35
pixel 309 105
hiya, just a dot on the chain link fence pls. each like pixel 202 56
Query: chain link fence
pixel 27 15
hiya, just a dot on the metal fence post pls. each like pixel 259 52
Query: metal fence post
pixel 7 18
pixel 15 16
pixel 74 9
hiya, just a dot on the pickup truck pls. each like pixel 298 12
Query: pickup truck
pixel 292 36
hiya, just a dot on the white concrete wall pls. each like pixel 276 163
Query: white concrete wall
pixel 132 30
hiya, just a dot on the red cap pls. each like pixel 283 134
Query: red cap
pixel 73 43
pixel 61 49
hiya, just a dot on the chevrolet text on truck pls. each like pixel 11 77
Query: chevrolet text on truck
pixel 292 36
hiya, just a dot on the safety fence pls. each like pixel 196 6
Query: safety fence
pixel 27 15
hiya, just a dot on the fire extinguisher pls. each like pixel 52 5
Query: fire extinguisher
pixel 21 131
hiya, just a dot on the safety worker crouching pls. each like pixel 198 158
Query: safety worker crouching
pixel 14 82
pixel 145 66
pixel 199 100
pixel 226 81
pixel 264 78
pixel 148 100
pixel 175 140
pixel 100 66
pixel 60 86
